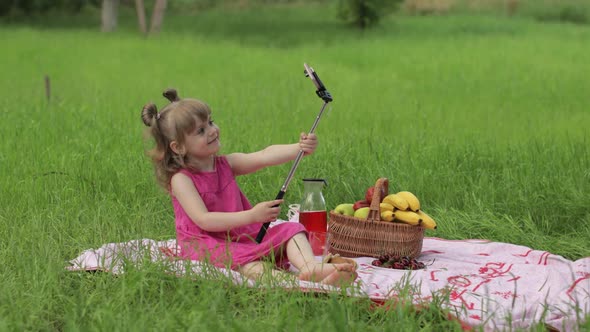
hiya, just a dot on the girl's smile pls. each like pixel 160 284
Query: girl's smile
pixel 216 139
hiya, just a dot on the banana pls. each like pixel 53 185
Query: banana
pixel 387 215
pixel 427 221
pixel 411 198
pixel 397 201
pixel 408 217
pixel 385 207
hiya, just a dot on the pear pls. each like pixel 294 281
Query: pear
pixel 362 213
pixel 345 209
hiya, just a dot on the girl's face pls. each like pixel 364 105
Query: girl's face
pixel 203 142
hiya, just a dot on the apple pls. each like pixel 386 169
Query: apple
pixel 360 204
pixel 345 209
pixel 369 194
pixel 362 213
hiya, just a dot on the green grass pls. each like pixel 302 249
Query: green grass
pixel 483 118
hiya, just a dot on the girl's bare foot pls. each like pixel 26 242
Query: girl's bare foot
pixel 336 258
pixel 329 274
pixel 340 278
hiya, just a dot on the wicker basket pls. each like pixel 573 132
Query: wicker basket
pixel 371 237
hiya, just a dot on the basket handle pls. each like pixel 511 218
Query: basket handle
pixel 381 190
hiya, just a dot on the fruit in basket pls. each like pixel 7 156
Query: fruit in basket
pixel 345 209
pixel 385 207
pixel 427 221
pixel 411 199
pixel 387 215
pixel 396 201
pixel 369 194
pixel 408 217
pixel 362 213
pixel 360 204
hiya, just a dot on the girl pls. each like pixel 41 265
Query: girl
pixel 214 220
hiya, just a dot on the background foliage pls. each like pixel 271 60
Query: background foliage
pixel 361 13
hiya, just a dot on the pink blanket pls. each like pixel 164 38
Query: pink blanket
pixel 497 286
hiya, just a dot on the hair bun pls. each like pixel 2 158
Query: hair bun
pixel 148 113
pixel 171 95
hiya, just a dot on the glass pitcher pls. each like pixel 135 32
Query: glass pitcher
pixel 313 215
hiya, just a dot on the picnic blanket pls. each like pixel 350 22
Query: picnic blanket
pixel 493 285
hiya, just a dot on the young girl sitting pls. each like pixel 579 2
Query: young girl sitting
pixel 214 220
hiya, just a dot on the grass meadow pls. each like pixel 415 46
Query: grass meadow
pixel 485 118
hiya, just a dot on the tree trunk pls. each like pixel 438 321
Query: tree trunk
pixel 158 16
pixel 512 6
pixel 140 9
pixel 109 15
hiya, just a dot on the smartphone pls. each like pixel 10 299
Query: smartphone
pixel 314 78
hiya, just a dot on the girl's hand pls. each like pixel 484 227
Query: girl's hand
pixel 265 212
pixel 308 143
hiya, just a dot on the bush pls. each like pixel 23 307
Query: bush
pixel 6 7
pixel 365 13
pixel 32 7
pixel 569 14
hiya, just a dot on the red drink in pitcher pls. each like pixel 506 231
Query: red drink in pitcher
pixel 316 223
pixel 312 214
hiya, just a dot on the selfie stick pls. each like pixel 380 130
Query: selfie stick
pixel 326 97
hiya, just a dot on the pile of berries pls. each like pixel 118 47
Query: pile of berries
pixel 396 262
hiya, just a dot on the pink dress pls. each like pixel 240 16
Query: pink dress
pixel 236 247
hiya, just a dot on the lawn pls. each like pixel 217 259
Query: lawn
pixel 484 118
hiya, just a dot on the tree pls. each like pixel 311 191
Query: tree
pixel 140 9
pixel 365 13
pixel 157 16
pixel 110 10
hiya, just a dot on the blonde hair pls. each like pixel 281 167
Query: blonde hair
pixel 171 124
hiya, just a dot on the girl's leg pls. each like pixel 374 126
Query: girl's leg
pixel 252 270
pixel 301 256
pixel 256 270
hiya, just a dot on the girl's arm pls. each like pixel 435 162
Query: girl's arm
pixel 189 198
pixel 246 163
